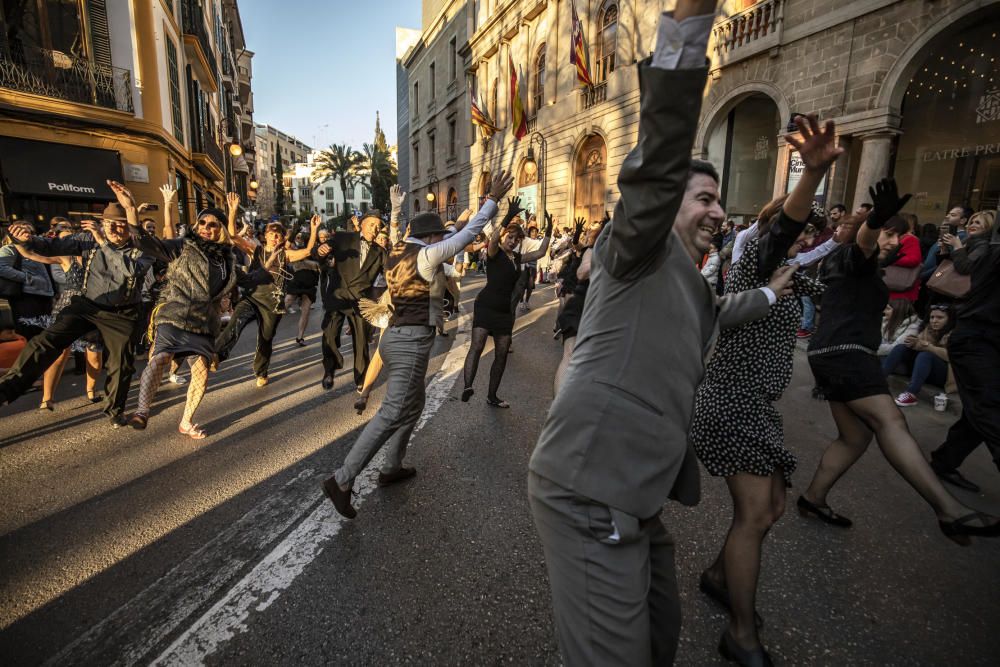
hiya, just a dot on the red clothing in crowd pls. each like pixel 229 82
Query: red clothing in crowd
pixel 909 256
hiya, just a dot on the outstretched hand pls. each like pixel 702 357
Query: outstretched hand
pixel 548 225
pixel 233 201
pixel 513 206
pixel 818 146
pixel 169 194
pixel 20 231
pixel 123 194
pixel 397 196
pixel 501 185
pixel 886 202
pixel 95 230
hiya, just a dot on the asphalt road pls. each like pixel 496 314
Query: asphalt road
pixel 121 547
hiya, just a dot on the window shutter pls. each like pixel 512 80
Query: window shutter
pixel 100 37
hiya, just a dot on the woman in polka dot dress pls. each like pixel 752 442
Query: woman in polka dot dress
pixel 737 431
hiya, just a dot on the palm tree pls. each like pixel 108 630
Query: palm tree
pixel 381 168
pixel 342 162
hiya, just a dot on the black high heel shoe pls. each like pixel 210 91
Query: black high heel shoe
pixel 823 513
pixel 733 652
pixel 361 404
pixel 959 531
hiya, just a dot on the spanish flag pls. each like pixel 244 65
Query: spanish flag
pixel 579 55
pixel 482 119
pixel 518 120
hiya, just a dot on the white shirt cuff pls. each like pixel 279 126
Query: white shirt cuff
pixel 682 45
pixel 771 296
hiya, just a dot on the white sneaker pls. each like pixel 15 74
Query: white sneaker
pixel 177 379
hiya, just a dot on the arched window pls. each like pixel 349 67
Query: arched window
pixel 495 102
pixel 591 176
pixel 607 41
pixel 538 83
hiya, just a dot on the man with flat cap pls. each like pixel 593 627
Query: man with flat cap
pixel 411 268
pixel 349 264
pixel 114 269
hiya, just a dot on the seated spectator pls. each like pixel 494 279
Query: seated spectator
pixel 899 322
pixel 924 356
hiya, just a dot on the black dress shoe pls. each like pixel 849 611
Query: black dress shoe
pixel 823 513
pixel 341 499
pixel 955 478
pixel 327 382
pixel 385 479
pixel 733 652
pixel 117 421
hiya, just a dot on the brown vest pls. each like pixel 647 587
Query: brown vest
pixel 411 294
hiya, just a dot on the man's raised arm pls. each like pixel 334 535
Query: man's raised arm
pixel 653 177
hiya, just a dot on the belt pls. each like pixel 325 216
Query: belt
pixel 847 347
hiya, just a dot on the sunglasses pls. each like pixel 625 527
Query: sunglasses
pixel 208 224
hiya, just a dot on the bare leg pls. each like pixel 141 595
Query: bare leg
pixel 196 389
pixel 93 360
pixel 150 381
pixel 50 380
pixel 568 345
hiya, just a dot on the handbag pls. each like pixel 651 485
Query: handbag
pixel 949 282
pixel 901 278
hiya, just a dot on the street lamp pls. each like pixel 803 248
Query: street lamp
pixel 254 184
pixel 430 197
pixel 235 149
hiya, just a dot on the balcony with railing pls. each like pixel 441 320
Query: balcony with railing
pixel 749 32
pixel 62 76
pixel 197 43
pixel 207 154
pixel 594 95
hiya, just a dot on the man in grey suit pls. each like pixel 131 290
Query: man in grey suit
pixel 615 444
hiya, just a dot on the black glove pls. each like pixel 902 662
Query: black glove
pixel 513 208
pixel 886 201
pixel 547 232
pixel 578 231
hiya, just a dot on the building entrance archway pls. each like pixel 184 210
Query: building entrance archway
pixel 591 171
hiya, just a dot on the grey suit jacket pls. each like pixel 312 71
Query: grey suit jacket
pixel 617 432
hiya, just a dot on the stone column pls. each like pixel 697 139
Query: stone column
pixel 876 149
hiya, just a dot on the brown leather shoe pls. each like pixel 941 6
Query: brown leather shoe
pixel 385 479
pixel 341 499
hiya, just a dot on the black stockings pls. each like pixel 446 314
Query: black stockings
pixel 501 345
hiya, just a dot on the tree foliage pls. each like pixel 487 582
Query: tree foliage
pixel 341 162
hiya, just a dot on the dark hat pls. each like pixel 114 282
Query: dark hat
pixel 372 213
pixel 113 211
pixel 217 212
pixel 426 224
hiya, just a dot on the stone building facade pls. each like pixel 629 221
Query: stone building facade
pixel 436 152
pixel 913 85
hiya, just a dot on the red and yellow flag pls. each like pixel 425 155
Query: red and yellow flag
pixel 578 54
pixel 518 120
pixel 482 119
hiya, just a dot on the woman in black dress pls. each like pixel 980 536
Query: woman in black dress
pixel 302 287
pixel 492 314
pixel 202 269
pixel 844 361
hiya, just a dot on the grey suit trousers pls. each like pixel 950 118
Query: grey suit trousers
pixel 614 598
pixel 405 351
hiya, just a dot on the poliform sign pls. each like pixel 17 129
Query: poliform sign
pixel 69 187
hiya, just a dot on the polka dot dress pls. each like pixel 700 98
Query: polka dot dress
pixel 736 427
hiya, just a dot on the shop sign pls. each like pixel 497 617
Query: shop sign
pixel 529 199
pixel 795 169
pixel 137 173
pixel 61 170
pixel 962 151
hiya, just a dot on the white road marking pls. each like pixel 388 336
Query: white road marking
pixel 276 572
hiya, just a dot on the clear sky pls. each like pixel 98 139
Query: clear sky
pixel 321 68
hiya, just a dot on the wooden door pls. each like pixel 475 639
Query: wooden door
pixel 591 180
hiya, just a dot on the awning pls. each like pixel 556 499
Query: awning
pixel 240 165
pixel 58 170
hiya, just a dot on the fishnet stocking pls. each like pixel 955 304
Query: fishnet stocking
pixel 479 336
pixel 501 347
pixel 196 388
pixel 150 382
